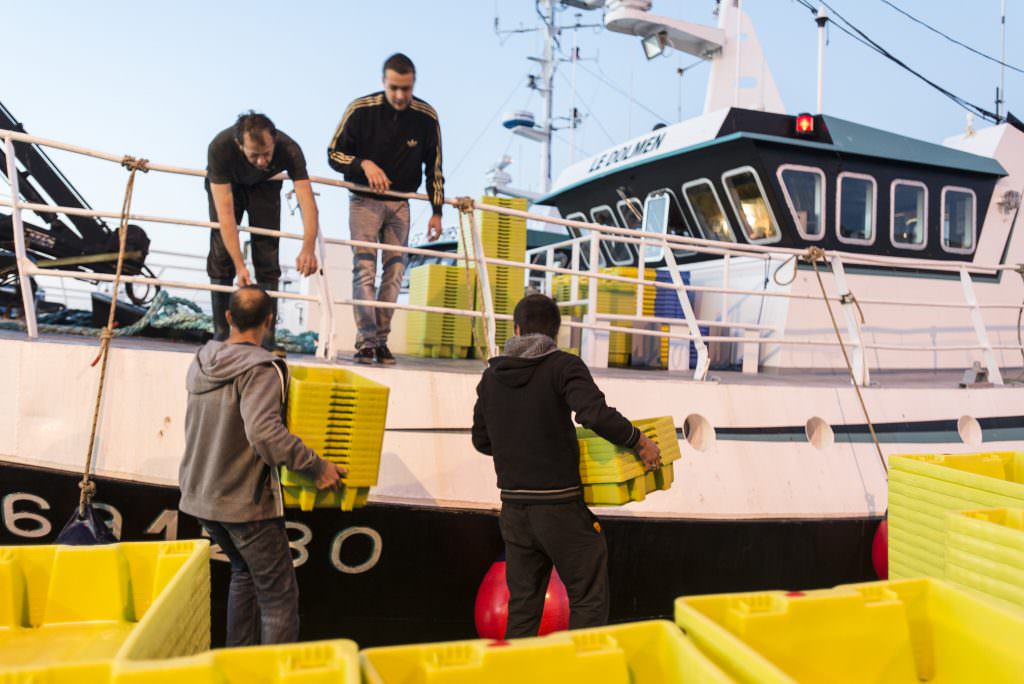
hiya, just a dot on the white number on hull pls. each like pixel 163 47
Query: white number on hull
pixel 11 517
pixel 299 545
pixel 166 522
pixel 116 520
pixel 339 539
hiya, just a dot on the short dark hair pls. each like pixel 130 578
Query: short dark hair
pixel 537 313
pixel 249 307
pixel 400 64
pixel 253 123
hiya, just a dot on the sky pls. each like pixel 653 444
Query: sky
pixel 159 79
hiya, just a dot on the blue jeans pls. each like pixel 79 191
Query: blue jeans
pixel 385 222
pixel 263 601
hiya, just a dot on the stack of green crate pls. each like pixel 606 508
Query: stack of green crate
pixel 504 237
pixel 341 416
pixel 440 335
pixel 985 552
pixel 924 489
pixel 613 475
pixel 613 297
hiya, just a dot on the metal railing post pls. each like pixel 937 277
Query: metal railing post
pixel 593 342
pixel 700 372
pixel 476 234
pixel 24 265
pixel 994 375
pixel 853 329
pixel 326 336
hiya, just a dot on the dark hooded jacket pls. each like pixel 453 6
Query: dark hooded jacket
pixel 235 436
pixel 523 418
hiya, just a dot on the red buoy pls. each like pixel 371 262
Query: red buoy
pixel 491 610
pixel 880 550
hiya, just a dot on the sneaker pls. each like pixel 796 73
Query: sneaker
pixel 384 356
pixel 364 355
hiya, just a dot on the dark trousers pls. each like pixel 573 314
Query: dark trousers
pixel 262 202
pixel 263 599
pixel 567 536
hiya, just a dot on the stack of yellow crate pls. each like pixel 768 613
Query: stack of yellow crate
pixel 341 416
pixel 919 630
pixel 613 475
pixel 613 297
pixel 79 608
pixel 985 552
pixel 653 652
pixel 440 335
pixel 504 237
pixel 924 489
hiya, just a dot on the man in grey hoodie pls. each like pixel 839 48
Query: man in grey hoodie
pixel 235 442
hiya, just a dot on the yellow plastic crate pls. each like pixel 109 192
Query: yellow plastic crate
pixel 318 662
pixel 985 552
pixel 438 351
pixel 925 488
pixel 322 662
pixel 76 605
pixel 894 632
pixel 653 652
pixel 342 416
pixel 635 489
pixel 443 286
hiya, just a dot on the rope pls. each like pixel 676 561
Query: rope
pixel 813 255
pixel 775 274
pixel 465 205
pixel 87 487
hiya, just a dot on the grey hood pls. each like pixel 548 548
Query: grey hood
pixel 218 364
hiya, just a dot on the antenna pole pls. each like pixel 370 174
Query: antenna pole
pixel 1001 95
pixel 547 91
pixel 572 105
pixel 821 20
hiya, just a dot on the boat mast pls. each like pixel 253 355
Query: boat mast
pixel 548 65
pixel 1001 94
pixel 821 20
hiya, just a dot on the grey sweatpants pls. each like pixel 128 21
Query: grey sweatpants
pixel 386 222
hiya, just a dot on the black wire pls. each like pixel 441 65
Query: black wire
pixel 951 39
pixel 622 92
pixel 857 34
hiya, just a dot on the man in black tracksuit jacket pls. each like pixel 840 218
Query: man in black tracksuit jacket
pixel 523 419
pixel 387 141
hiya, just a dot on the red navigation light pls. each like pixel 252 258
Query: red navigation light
pixel 804 124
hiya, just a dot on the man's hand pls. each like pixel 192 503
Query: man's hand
pixel 242 277
pixel 375 176
pixel 648 452
pixel 305 263
pixel 434 228
pixel 331 477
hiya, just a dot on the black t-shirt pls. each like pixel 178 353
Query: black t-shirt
pixel 225 162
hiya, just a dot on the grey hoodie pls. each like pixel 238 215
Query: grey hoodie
pixel 235 436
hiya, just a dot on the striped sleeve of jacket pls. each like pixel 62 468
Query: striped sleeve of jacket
pixel 342 153
pixel 432 156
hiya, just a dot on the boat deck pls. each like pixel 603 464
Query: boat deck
pixel 816 377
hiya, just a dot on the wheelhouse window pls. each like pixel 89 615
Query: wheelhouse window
pixel 959 223
pixel 751 206
pixel 583 250
pixel 706 208
pixel 618 253
pixel 804 188
pixel 909 214
pixel 631 211
pixel 856 208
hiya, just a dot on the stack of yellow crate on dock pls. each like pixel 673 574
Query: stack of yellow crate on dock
pixel 985 552
pixel 925 488
pixel 79 608
pixel 504 237
pixel 440 335
pixel 613 297
pixel 918 630
pixel 341 416
pixel 613 475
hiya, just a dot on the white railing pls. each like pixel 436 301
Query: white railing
pixel 595 325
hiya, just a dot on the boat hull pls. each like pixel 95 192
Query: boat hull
pixel 390 574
